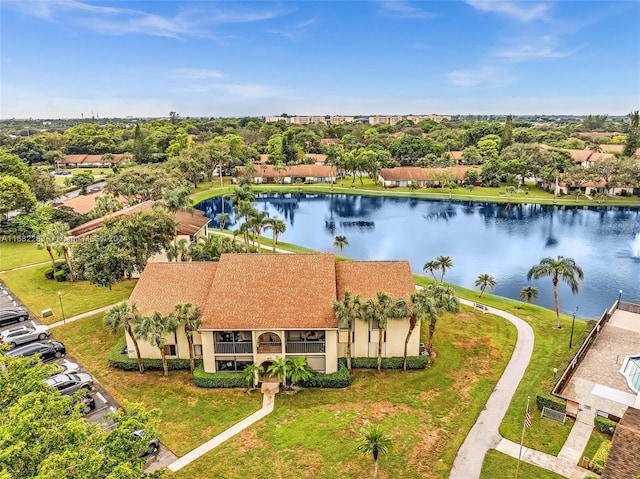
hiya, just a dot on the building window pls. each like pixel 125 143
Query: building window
pixel 197 350
pixel 231 365
pixel 170 350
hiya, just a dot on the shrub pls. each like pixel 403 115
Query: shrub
pixel 547 400
pixel 61 272
pixel 122 361
pixel 203 379
pixel 600 458
pixel 413 362
pixel 339 379
pixel 605 425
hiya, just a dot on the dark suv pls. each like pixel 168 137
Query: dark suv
pixel 48 350
pixel 13 315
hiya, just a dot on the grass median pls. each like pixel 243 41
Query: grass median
pixel 501 466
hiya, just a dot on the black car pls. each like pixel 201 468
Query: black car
pixel 13 315
pixel 48 350
pixel 152 446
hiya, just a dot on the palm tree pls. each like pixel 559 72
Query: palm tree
pixel 191 317
pixel 340 242
pixel 561 268
pixel 123 317
pixel 257 221
pixel 279 368
pixel 222 219
pixel 431 267
pixel 346 312
pixel 528 294
pixel 299 370
pixel 380 311
pixel 245 209
pixel 483 281
pixel 374 441
pixel 444 263
pixel 445 300
pixel 48 236
pixel 250 373
pixel 154 328
pixel 278 227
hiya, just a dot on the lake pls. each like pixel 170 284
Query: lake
pixel 503 240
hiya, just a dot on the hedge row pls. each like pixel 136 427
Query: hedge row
pixel 605 425
pixel 203 379
pixel 600 458
pixel 547 400
pixel 339 379
pixel 122 361
pixel 413 362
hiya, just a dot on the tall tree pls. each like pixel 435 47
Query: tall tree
pixel 222 219
pixel 340 242
pixel 507 133
pixel 374 441
pixel 379 311
pixel 633 135
pixel 154 328
pixel 14 194
pixel 347 311
pixel 484 281
pixel 431 267
pixel 277 227
pixel 444 263
pixel 560 268
pixel 122 318
pixel 191 317
pixel 528 294
pixel 49 236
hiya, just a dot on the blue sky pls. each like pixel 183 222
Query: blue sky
pixel 61 58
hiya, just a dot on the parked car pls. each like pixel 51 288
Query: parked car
pixel 68 367
pixel 152 446
pixel 68 384
pixel 88 402
pixel 13 315
pixel 48 350
pixel 24 334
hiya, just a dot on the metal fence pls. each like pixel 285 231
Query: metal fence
pixel 234 348
pixel 305 346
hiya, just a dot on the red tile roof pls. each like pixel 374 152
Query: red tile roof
pixel 306 171
pixel 82 203
pixel 267 291
pixel 415 173
pixel 85 159
pixel 163 285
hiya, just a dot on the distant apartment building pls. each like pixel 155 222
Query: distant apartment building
pixel 339 119
pixel 433 117
pixel 385 119
pixel 298 120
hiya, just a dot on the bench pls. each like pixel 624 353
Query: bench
pixel 553 415
pixel 481 307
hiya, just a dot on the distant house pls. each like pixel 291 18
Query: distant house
pixel 82 203
pixel 90 161
pixel 456 157
pixel 413 175
pixel 191 225
pixel 330 141
pixel 291 174
pixel 254 312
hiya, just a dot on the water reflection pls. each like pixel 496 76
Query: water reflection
pixel 503 240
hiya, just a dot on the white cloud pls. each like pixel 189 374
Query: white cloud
pixel 523 11
pixel 196 21
pixel 545 48
pixel 487 76
pixel 402 9
pixel 194 74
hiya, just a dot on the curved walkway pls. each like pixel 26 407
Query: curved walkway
pixel 484 434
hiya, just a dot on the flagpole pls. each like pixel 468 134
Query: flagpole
pixel 524 425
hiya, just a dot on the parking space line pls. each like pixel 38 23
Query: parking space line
pixel 101 397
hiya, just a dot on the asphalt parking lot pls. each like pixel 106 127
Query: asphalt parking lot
pixel 104 402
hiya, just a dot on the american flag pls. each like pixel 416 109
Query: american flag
pixel 527 417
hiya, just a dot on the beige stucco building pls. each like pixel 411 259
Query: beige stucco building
pixel 257 307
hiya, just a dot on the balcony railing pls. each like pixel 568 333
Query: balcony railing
pixel 270 347
pixel 234 348
pixel 305 346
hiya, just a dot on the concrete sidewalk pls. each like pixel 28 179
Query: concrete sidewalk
pixel 104 309
pixel 269 390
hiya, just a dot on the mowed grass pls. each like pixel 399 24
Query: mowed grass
pixel 550 350
pixel 595 440
pixel 39 293
pixel 501 466
pixel 428 413
pixel 189 415
pixel 13 255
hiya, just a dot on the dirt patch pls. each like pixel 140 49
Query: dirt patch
pixel 430 443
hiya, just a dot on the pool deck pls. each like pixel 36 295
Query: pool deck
pixel 599 372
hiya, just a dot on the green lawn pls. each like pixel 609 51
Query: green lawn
pixel 501 466
pixel 13 255
pixel 595 440
pixel 551 350
pixel 38 293
pixel 190 415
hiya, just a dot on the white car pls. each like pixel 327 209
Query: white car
pixel 24 334
pixel 68 367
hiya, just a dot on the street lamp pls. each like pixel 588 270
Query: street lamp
pixel 573 322
pixel 64 321
pixel 619 295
